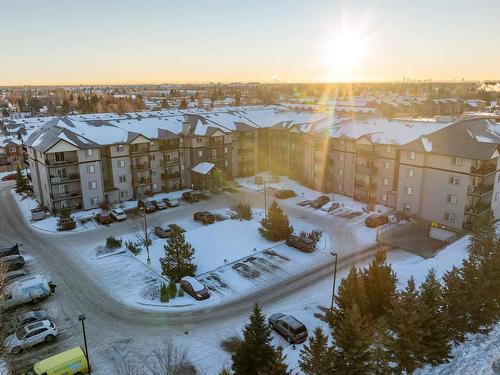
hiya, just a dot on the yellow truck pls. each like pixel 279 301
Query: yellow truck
pixel 70 362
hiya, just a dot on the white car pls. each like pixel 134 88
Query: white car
pixel 29 335
pixel 118 214
pixel 171 202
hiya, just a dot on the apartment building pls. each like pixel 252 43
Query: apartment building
pixel 11 153
pixel 452 175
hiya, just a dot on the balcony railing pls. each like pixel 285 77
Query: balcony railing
pixel 365 186
pixel 167 147
pixel 66 195
pixel 172 161
pixel 483 169
pixel 60 180
pixel 366 153
pixel 168 176
pixel 139 150
pixel 66 160
pixel 140 166
pixel 477 209
pixel 140 181
pixel 479 189
pixel 370 171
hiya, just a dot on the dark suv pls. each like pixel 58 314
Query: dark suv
pixel 304 244
pixel 284 193
pixel 290 328
pixel 190 196
pixel 146 205
pixel 204 217
pixel 12 262
pixel 320 202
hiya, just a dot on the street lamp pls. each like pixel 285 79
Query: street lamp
pixel 265 198
pixel 146 234
pixel 81 318
pixel 334 279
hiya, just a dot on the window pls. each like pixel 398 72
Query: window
pixel 12 149
pixel 225 150
pixel 119 148
pixel 452 199
pixel 384 197
pixel 409 190
pixel 448 216
pixel 406 207
pixel 411 155
pixel 89 152
pixel 155 186
pixel 123 194
pixel 121 163
pixel 411 172
pixel 90 168
pixel 94 201
pixel 497 195
pixel 341 172
pixel 388 149
pixel 200 153
pixel 456 161
pixel 92 185
pixel 151 157
pixel 454 180
pixel 199 140
pixel 13 160
pixel 153 172
pixel 226 163
pixel 386 181
pixel 387 164
pixel 122 179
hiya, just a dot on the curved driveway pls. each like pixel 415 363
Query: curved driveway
pixel 115 329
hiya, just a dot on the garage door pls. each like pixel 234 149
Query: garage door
pixel 440 233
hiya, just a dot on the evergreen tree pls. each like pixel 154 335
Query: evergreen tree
pixel 380 354
pixel 183 104
pixel 455 304
pixel 278 366
pixel 65 220
pixel 178 260
pixel 352 337
pixel 380 286
pixel 225 371
pixel 275 227
pixel 406 330
pixel 316 358
pixel 22 184
pixel 255 354
pixel 434 330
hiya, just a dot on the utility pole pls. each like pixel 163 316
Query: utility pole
pixel 81 318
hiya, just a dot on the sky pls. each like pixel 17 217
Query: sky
pixel 166 41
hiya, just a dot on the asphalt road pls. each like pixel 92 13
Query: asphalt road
pixel 115 329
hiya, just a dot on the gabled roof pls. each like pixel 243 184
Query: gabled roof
pixel 469 138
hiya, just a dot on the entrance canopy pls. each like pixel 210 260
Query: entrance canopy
pixel 203 168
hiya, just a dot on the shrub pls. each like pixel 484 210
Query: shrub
pixel 133 247
pixel 65 221
pixel 164 296
pixel 172 289
pixel 113 243
pixel 259 180
pixel 244 211
pixel 315 234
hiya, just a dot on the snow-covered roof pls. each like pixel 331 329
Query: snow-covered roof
pixel 203 168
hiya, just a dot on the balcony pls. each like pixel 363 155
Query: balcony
pixel 363 185
pixel 483 169
pixel 169 176
pixel 477 209
pixel 480 189
pixel 366 170
pixel 245 150
pixel 169 146
pixel 61 180
pixel 140 166
pixel 66 195
pixel 141 181
pixel 370 154
pixel 139 150
pixel 172 161
pixel 61 161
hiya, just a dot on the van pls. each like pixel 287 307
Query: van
pixel 27 289
pixel 70 362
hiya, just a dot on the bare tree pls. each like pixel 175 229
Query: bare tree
pixel 143 229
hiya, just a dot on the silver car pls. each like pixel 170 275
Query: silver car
pixel 290 328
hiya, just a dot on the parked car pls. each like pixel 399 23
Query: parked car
pixel 27 317
pixel 159 204
pixel 171 202
pixel 118 214
pixel 376 220
pixel 304 203
pixel 285 193
pixel 9 177
pixel 103 218
pixel 146 205
pixel 290 328
pixel 304 244
pixel 70 362
pixel 177 228
pixel 163 232
pixel 27 289
pixel 329 207
pixel 194 288
pixel 320 202
pixel 13 275
pixel 30 335
pixel 190 196
pixel 6 250
pixel 12 262
pixel 204 217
